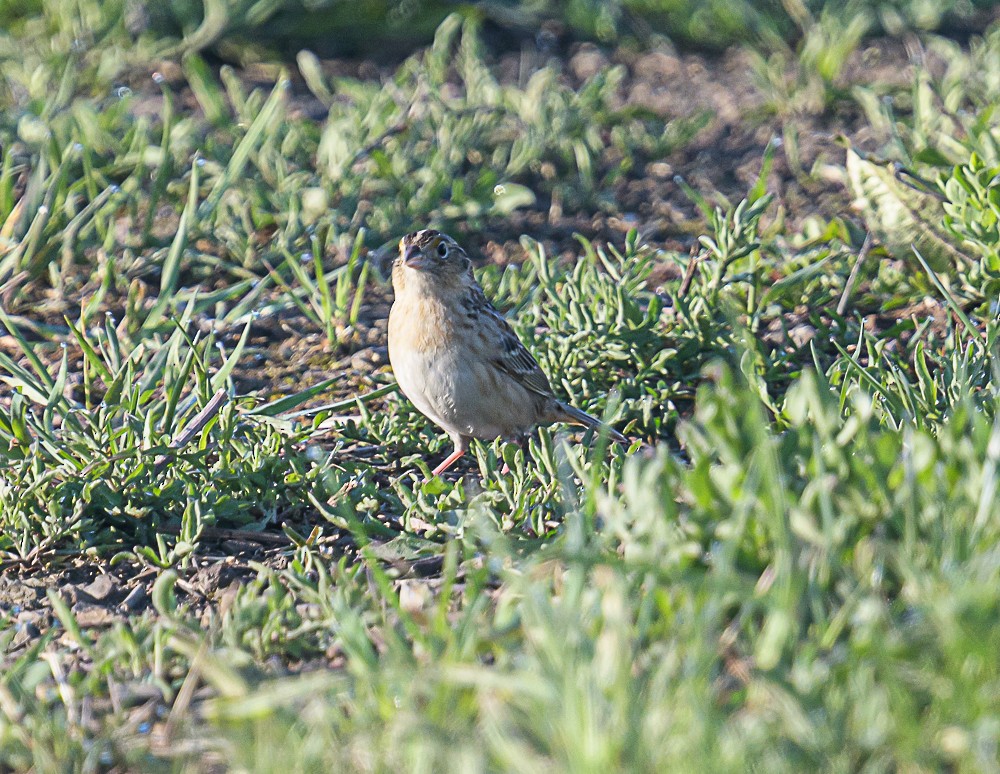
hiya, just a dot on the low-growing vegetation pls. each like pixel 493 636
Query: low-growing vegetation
pixel 775 266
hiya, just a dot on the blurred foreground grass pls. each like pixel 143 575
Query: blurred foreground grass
pixel 800 572
pixel 247 30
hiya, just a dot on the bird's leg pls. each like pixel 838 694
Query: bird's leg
pixel 448 461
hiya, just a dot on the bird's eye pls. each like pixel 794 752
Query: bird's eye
pixel 442 249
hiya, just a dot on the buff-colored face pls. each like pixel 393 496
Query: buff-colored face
pixel 432 252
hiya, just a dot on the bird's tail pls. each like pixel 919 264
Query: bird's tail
pixel 577 417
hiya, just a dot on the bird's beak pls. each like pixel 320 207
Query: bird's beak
pixel 413 258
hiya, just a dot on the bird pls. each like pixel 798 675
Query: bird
pixel 457 359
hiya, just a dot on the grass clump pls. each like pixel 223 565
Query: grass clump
pixel 816 624
pixel 791 568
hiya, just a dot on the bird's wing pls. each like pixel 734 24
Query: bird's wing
pixel 515 360
pixel 510 356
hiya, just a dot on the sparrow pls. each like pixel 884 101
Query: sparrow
pixel 455 356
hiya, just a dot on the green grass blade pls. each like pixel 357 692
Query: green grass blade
pixel 255 135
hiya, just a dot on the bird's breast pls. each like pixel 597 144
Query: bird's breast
pixel 418 325
pixel 424 355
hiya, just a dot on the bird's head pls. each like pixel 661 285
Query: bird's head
pixel 433 253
